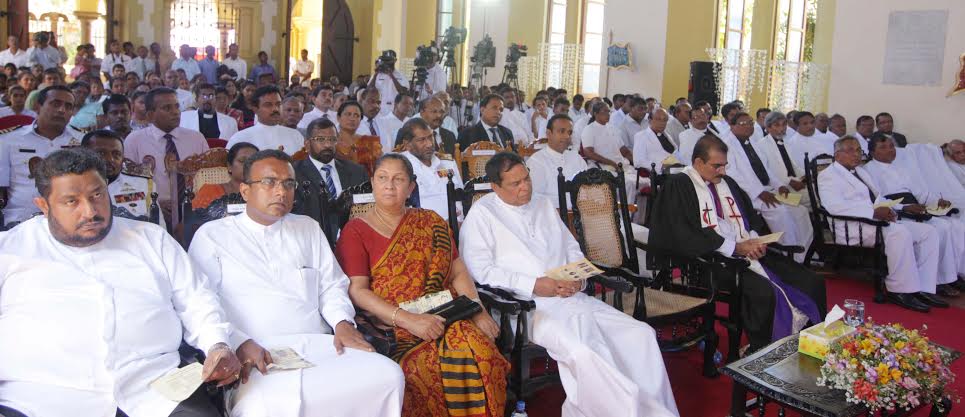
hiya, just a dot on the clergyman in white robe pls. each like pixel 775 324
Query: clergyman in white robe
pixel 544 168
pixel 281 287
pixel 85 330
pixel 610 363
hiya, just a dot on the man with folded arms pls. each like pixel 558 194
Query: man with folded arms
pixel 93 308
pixel 282 288
pixel 610 363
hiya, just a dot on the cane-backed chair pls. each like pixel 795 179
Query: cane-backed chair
pixel 533 147
pixel 827 242
pixel 473 160
pixel 601 218
pixel 209 167
pixel 146 171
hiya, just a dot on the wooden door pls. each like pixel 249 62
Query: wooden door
pixel 18 23
pixel 338 40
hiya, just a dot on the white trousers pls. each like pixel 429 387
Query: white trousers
pixel 610 363
pixel 952 248
pixel 793 221
pixel 913 250
pixel 355 383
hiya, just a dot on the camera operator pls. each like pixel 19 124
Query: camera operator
pixel 436 80
pixel 388 80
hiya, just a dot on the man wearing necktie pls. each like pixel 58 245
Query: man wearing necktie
pixel 489 127
pixel 779 158
pixel 371 106
pixel 749 167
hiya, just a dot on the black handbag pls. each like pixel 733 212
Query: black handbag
pixel 460 308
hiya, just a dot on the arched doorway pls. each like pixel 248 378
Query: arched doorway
pixel 73 22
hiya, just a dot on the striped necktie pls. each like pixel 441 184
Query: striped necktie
pixel 329 182
pixel 170 148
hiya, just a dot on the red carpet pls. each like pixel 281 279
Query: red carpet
pixel 699 397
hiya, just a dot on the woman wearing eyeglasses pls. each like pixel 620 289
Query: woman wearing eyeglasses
pixel 394 255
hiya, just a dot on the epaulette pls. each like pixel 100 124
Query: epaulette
pixel 10 129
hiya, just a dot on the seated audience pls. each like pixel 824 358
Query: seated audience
pixel 237 155
pixel 98 305
pixel 348 377
pixel 268 132
pixel 702 210
pixel 323 99
pixel 912 248
pixel 352 145
pixel 652 146
pixel 679 123
pixel 18 100
pixel 431 171
pixel 395 254
pixel 488 128
pixel 544 164
pixel 206 119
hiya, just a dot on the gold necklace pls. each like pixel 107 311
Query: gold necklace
pixel 381 218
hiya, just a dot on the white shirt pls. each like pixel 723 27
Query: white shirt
pixel 722 127
pixel 94 326
pixel 674 129
pixel 48 57
pixel 516 121
pixel 280 279
pixel 190 67
pixel 543 170
pixel 141 66
pixel 270 137
pixel 604 140
pixel 389 126
pixel 17 148
pixel 335 178
pixel 433 180
pixel 688 139
pixel 576 140
pixel 541 126
pixel 386 87
pixel 509 247
pixel 616 117
pixel 436 79
pixel 365 130
pixel 185 99
pixel 648 151
pixel 813 145
pixel 576 114
pixel 863 141
pixel 107 64
pixel 305 67
pixel 238 65
pixel 317 113
pixel 8 111
pixel 227 125
pixel 18 58
pixel 629 128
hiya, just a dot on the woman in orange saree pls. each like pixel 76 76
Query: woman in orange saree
pixel 394 255
pixel 362 150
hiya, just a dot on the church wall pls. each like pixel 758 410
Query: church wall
pixel 420 25
pixel 643 25
pixel 689 32
pixel 924 114
pixel 490 17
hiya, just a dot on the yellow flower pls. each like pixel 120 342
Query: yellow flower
pixel 895 374
pixel 900 345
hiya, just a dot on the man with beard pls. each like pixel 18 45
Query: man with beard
pixel 323 169
pixel 130 194
pixel 432 172
pixel 117 111
pixel 268 132
pixel 20 147
pixel 99 306
pixel 432 112
pixel 323 99
pixel 205 119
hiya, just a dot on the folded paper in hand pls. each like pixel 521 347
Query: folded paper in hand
pixel 180 383
pixel 670 160
pixel 935 211
pixel 427 302
pixel 889 203
pixel 771 238
pixel 792 199
pixel 286 359
pixel 574 271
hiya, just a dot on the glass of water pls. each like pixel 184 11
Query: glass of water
pixel 853 313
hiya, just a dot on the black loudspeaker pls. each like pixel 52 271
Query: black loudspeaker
pixel 703 84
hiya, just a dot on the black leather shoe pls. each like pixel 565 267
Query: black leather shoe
pixel 931 299
pixel 947 290
pixel 959 285
pixel 908 301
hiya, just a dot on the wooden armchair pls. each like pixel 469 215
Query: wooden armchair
pixel 227 205
pixel 473 160
pixel 146 171
pixel 533 147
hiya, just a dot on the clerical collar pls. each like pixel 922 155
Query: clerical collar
pixel 520 209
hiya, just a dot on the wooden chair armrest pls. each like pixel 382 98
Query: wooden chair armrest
pixel 786 249
pixel 525 305
pixel 500 304
pixel 616 283
pixel 380 336
pixel 856 219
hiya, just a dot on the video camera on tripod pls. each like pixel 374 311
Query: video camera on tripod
pixel 426 55
pixel 511 73
pixel 450 41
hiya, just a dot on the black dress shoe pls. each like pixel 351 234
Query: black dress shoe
pixel 931 300
pixel 959 285
pixel 947 290
pixel 908 301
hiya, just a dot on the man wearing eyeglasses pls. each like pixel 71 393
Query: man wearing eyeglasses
pixel 282 289
pixel 206 119
pixel 321 167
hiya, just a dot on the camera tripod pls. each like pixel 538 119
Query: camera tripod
pixel 510 76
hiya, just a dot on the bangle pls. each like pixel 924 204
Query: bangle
pixel 397 310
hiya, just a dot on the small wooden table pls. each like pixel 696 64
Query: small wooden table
pixel 780 374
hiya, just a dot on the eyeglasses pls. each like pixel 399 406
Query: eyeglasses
pixel 207 96
pixel 323 139
pixel 270 183
pixel 746 123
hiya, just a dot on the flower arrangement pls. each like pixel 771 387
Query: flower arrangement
pixel 887 367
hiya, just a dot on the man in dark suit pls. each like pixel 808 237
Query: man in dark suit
pixel 886 125
pixel 433 111
pixel 488 128
pixel 322 168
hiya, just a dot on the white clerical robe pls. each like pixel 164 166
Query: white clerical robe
pixel 629 129
pixel 389 126
pixel 927 164
pixel 579 125
pixel 793 221
pixel 85 330
pixel 264 137
pixel 674 129
pixel 912 248
pixel 890 179
pixel 688 139
pixel 812 146
pixel 775 163
pixel 516 121
pixel 433 180
pixel 281 287
pixel 610 363
pixel 648 151
pixel 317 113
pixel 957 169
pixel 543 170
pixel 227 125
